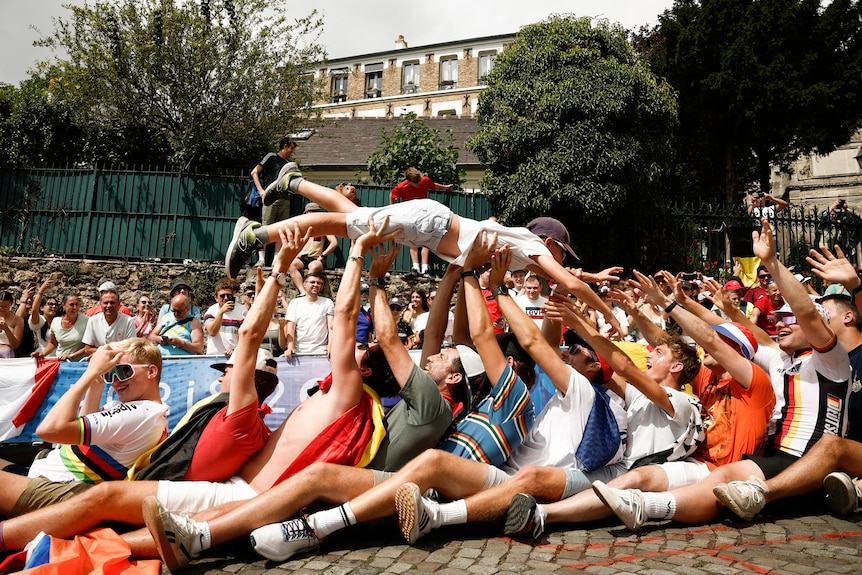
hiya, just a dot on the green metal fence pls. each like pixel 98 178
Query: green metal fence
pixel 146 215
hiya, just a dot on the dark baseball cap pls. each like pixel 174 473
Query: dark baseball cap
pixel 552 228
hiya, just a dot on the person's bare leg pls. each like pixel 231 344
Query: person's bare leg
pixel 454 477
pixel 697 504
pixel 414 257
pixel 324 224
pixel 12 486
pixel 830 453
pixel 109 501
pixel 586 505
pixel 329 199
pixel 321 481
pixel 544 483
pixel 295 271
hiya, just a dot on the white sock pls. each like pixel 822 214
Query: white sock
pixel 261 258
pixel 660 505
pixel 416 268
pixel 454 513
pixel 329 521
pixel 204 542
pixel 424 268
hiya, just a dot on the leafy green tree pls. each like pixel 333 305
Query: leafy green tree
pixel 759 82
pixel 209 82
pixel 415 143
pixel 572 124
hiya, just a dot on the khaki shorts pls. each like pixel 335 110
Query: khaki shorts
pixel 277 212
pixel 41 492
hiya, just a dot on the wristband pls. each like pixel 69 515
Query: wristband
pixel 360 259
pixel 468 273
pixel 670 307
pixel 379 282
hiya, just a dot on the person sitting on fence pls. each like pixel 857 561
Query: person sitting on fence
pixel 540 247
pixel 179 332
pixel 313 256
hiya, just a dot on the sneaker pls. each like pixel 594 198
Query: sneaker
pixel 842 495
pixel 524 516
pixel 281 541
pixel 243 245
pixel 173 534
pixel 745 498
pixel 417 516
pixel 627 504
pixel 279 187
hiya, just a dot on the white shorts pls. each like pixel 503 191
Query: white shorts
pixel 424 222
pixel 197 496
pixel 685 472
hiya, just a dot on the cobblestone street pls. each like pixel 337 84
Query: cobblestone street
pixel 776 544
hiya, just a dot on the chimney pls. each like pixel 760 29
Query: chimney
pixel 400 43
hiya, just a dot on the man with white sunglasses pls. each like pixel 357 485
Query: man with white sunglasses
pixel 94 444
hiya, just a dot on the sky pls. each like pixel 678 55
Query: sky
pixel 350 28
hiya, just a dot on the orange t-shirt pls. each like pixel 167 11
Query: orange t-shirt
pixel 736 419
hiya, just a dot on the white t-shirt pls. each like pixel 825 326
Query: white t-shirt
pixel 312 327
pixel 532 307
pixel 98 331
pixel 558 429
pixel 228 334
pixel 652 431
pixel 110 442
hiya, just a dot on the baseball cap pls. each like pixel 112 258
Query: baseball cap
pixel 740 335
pixel 177 283
pixel 732 285
pixel 313 207
pixel 471 361
pixel 107 286
pixel 554 229
pixel 265 363
pixel 396 302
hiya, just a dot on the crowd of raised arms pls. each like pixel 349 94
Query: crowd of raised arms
pixel 521 388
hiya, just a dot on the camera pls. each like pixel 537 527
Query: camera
pixel 689 276
pixel 164 339
pixel 277 315
pixel 759 195
pixel 231 297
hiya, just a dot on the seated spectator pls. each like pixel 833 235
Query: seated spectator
pixel 97 309
pixel 313 256
pixel 179 332
pixel 145 321
pixel 309 320
pixel 223 319
pixel 42 313
pixel 108 326
pixel 11 326
pixel 94 444
pixel 67 332
pixel 179 285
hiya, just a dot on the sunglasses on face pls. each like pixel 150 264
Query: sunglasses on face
pixel 765 276
pixel 146 302
pixel 122 371
pixel 786 319
pixel 575 348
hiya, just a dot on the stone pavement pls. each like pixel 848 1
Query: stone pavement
pixel 777 542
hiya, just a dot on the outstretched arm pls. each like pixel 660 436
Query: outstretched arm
pixel 479 319
pixel 834 268
pixel 794 293
pixel 438 317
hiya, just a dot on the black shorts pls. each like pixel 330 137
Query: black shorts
pixel 773 464
pixel 306 260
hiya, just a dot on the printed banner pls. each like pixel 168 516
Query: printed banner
pixel 184 382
